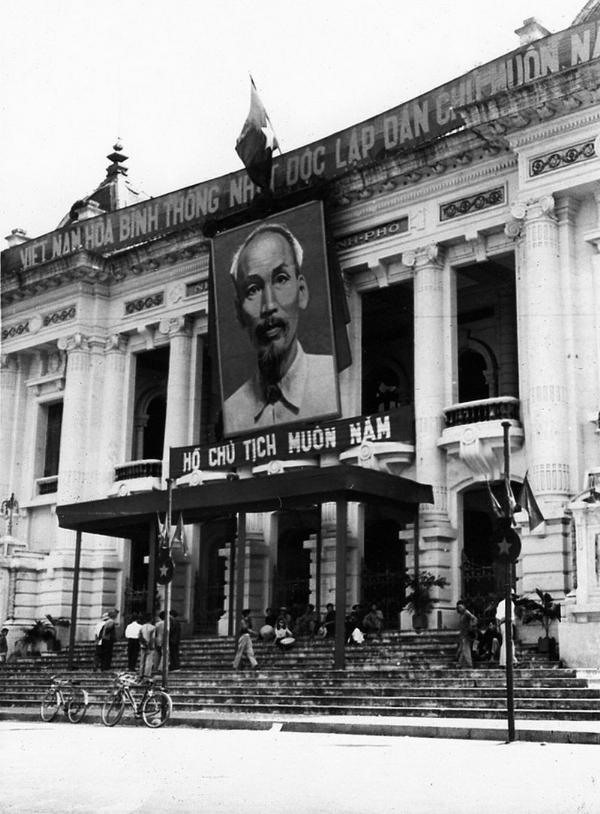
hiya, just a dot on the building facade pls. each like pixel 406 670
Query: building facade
pixel 467 227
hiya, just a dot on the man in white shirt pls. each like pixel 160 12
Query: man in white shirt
pixel 501 619
pixel 271 293
pixel 132 634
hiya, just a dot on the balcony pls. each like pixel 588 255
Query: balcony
pixel 474 433
pixel 136 476
pixel 47 486
pixel 505 408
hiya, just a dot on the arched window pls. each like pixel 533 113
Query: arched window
pixel 477 372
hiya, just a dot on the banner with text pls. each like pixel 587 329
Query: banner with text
pixel 282 443
pixel 414 122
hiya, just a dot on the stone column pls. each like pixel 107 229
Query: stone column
pixel 107 438
pixel 436 537
pixel 430 373
pixel 545 414
pixel 544 398
pixel 178 386
pixel 75 419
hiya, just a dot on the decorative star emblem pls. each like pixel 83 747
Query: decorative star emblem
pixel 270 140
pixel 504 546
pixel 163 570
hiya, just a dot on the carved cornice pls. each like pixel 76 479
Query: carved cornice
pixel 400 200
pixel 92 267
pixel 536 103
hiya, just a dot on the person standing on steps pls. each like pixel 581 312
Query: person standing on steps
pixel 132 634
pixel 148 645
pixel 467 625
pixel 245 649
pixel 174 641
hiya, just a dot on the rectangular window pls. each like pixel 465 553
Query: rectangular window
pixel 53 428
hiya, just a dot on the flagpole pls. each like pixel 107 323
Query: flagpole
pixel 508 637
pixel 167 627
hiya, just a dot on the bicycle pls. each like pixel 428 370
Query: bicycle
pixel 65 693
pixel 154 707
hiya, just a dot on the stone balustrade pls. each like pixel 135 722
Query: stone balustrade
pixel 149 468
pixel 503 408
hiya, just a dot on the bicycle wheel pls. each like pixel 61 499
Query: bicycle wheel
pixel 112 708
pixel 77 705
pixel 156 709
pixel 50 705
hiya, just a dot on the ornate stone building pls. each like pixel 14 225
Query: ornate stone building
pixel 467 227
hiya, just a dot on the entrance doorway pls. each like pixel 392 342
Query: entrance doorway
pixel 483 576
pixel 384 565
pixel 136 587
pixel 291 578
pixel 209 588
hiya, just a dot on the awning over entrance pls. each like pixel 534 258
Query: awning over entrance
pixel 118 517
pixel 291 490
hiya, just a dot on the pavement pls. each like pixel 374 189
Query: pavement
pixel 63 769
pixel 555 731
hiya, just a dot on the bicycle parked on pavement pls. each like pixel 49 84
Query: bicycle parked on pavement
pixel 64 693
pixel 154 707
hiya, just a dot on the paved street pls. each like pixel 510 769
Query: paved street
pixel 64 768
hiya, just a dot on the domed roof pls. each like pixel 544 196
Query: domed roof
pixel 591 11
pixel 114 192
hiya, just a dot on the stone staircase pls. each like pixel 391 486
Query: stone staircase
pixel 403 675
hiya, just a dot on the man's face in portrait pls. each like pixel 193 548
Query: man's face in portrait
pixel 270 295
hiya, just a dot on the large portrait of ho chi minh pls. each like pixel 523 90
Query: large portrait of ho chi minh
pixel 273 321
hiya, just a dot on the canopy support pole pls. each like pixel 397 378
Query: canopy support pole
pixel 341 533
pixel 74 598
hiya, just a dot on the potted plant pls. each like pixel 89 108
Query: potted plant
pixel 419 599
pixel 543 611
pixel 40 633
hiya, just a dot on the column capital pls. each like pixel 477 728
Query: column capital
pixel 175 326
pixel 9 362
pixel 533 208
pixel 430 255
pixel 75 342
pixel 116 343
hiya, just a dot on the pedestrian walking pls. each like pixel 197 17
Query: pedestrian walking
pixel 245 649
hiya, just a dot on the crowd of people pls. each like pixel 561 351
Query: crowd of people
pixel 484 641
pixel 145 636
pixel 282 628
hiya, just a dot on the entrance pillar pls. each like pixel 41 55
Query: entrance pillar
pixel 178 385
pixel 437 538
pixel 545 399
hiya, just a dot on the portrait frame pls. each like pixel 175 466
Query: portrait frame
pixel 237 357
